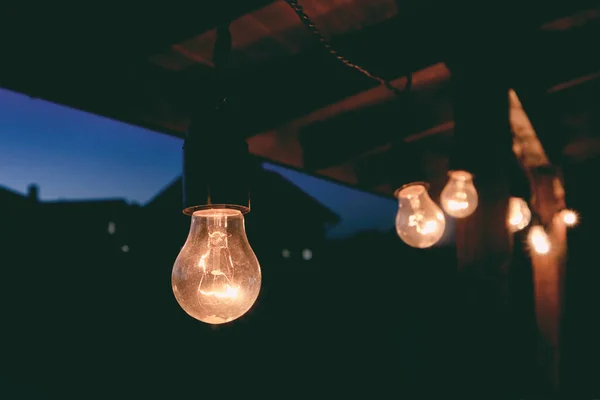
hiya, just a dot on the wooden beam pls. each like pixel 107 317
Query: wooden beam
pixel 367 128
pixel 288 135
pixel 274 32
pixel 298 86
pixel 143 94
pixel 376 97
pixel 126 33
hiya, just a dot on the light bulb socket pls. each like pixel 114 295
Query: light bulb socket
pixel 468 176
pixel 401 188
pixel 217 166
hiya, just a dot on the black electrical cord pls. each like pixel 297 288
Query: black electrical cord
pixel 315 31
pixel 221 55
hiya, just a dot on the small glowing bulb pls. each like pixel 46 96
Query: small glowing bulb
pixel 459 197
pixel 307 254
pixel 519 214
pixel 216 277
pixel 539 241
pixel 569 217
pixel 420 222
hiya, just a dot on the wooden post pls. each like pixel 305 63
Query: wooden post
pixel 490 337
pixel 548 272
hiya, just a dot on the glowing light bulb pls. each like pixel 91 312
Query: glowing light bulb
pixel 519 214
pixel 569 217
pixel 539 241
pixel 216 277
pixel 459 198
pixel 420 222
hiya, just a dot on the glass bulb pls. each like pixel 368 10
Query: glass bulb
pixel 538 239
pixel 519 214
pixel 569 217
pixel 216 277
pixel 459 198
pixel 419 222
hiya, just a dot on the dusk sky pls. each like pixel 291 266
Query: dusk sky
pixel 71 154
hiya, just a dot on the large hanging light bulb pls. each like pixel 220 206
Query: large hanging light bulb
pixel 459 197
pixel 519 214
pixel 216 277
pixel 539 240
pixel 420 222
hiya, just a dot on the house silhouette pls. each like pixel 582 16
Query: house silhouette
pixel 283 218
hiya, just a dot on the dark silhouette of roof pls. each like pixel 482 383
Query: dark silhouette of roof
pixel 8 196
pixel 271 193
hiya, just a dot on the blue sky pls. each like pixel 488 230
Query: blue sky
pixel 358 210
pixel 71 154
pixel 76 155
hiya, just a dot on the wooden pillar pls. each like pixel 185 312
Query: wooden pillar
pixel 489 360
pixel 548 273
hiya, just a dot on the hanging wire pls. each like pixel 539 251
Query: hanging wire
pixel 221 55
pixel 325 43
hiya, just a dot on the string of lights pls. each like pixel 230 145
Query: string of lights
pixel 216 277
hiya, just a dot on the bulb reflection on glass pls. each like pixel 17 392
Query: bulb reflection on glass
pixel 216 277
pixel 459 197
pixel 538 240
pixel 519 214
pixel 569 217
pixel 420 222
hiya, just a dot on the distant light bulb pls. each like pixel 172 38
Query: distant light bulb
pixel 307 254
pixel 569 217
pixel 420 222
pixel 519 214
pixel 216 277
pixel 459 197
pixel 539 241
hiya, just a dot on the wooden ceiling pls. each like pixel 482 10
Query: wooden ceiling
pixel 152 67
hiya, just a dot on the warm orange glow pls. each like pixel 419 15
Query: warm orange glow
pixel 539 241
pixel 228 293
pixel 569 217
pixel 457 205
pixel 420 222
pixel 519 214
pixel 216 277
pixel 459 197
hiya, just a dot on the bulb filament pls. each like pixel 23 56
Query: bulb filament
pixel 418 220
pixel 515 220
pixel 217 248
